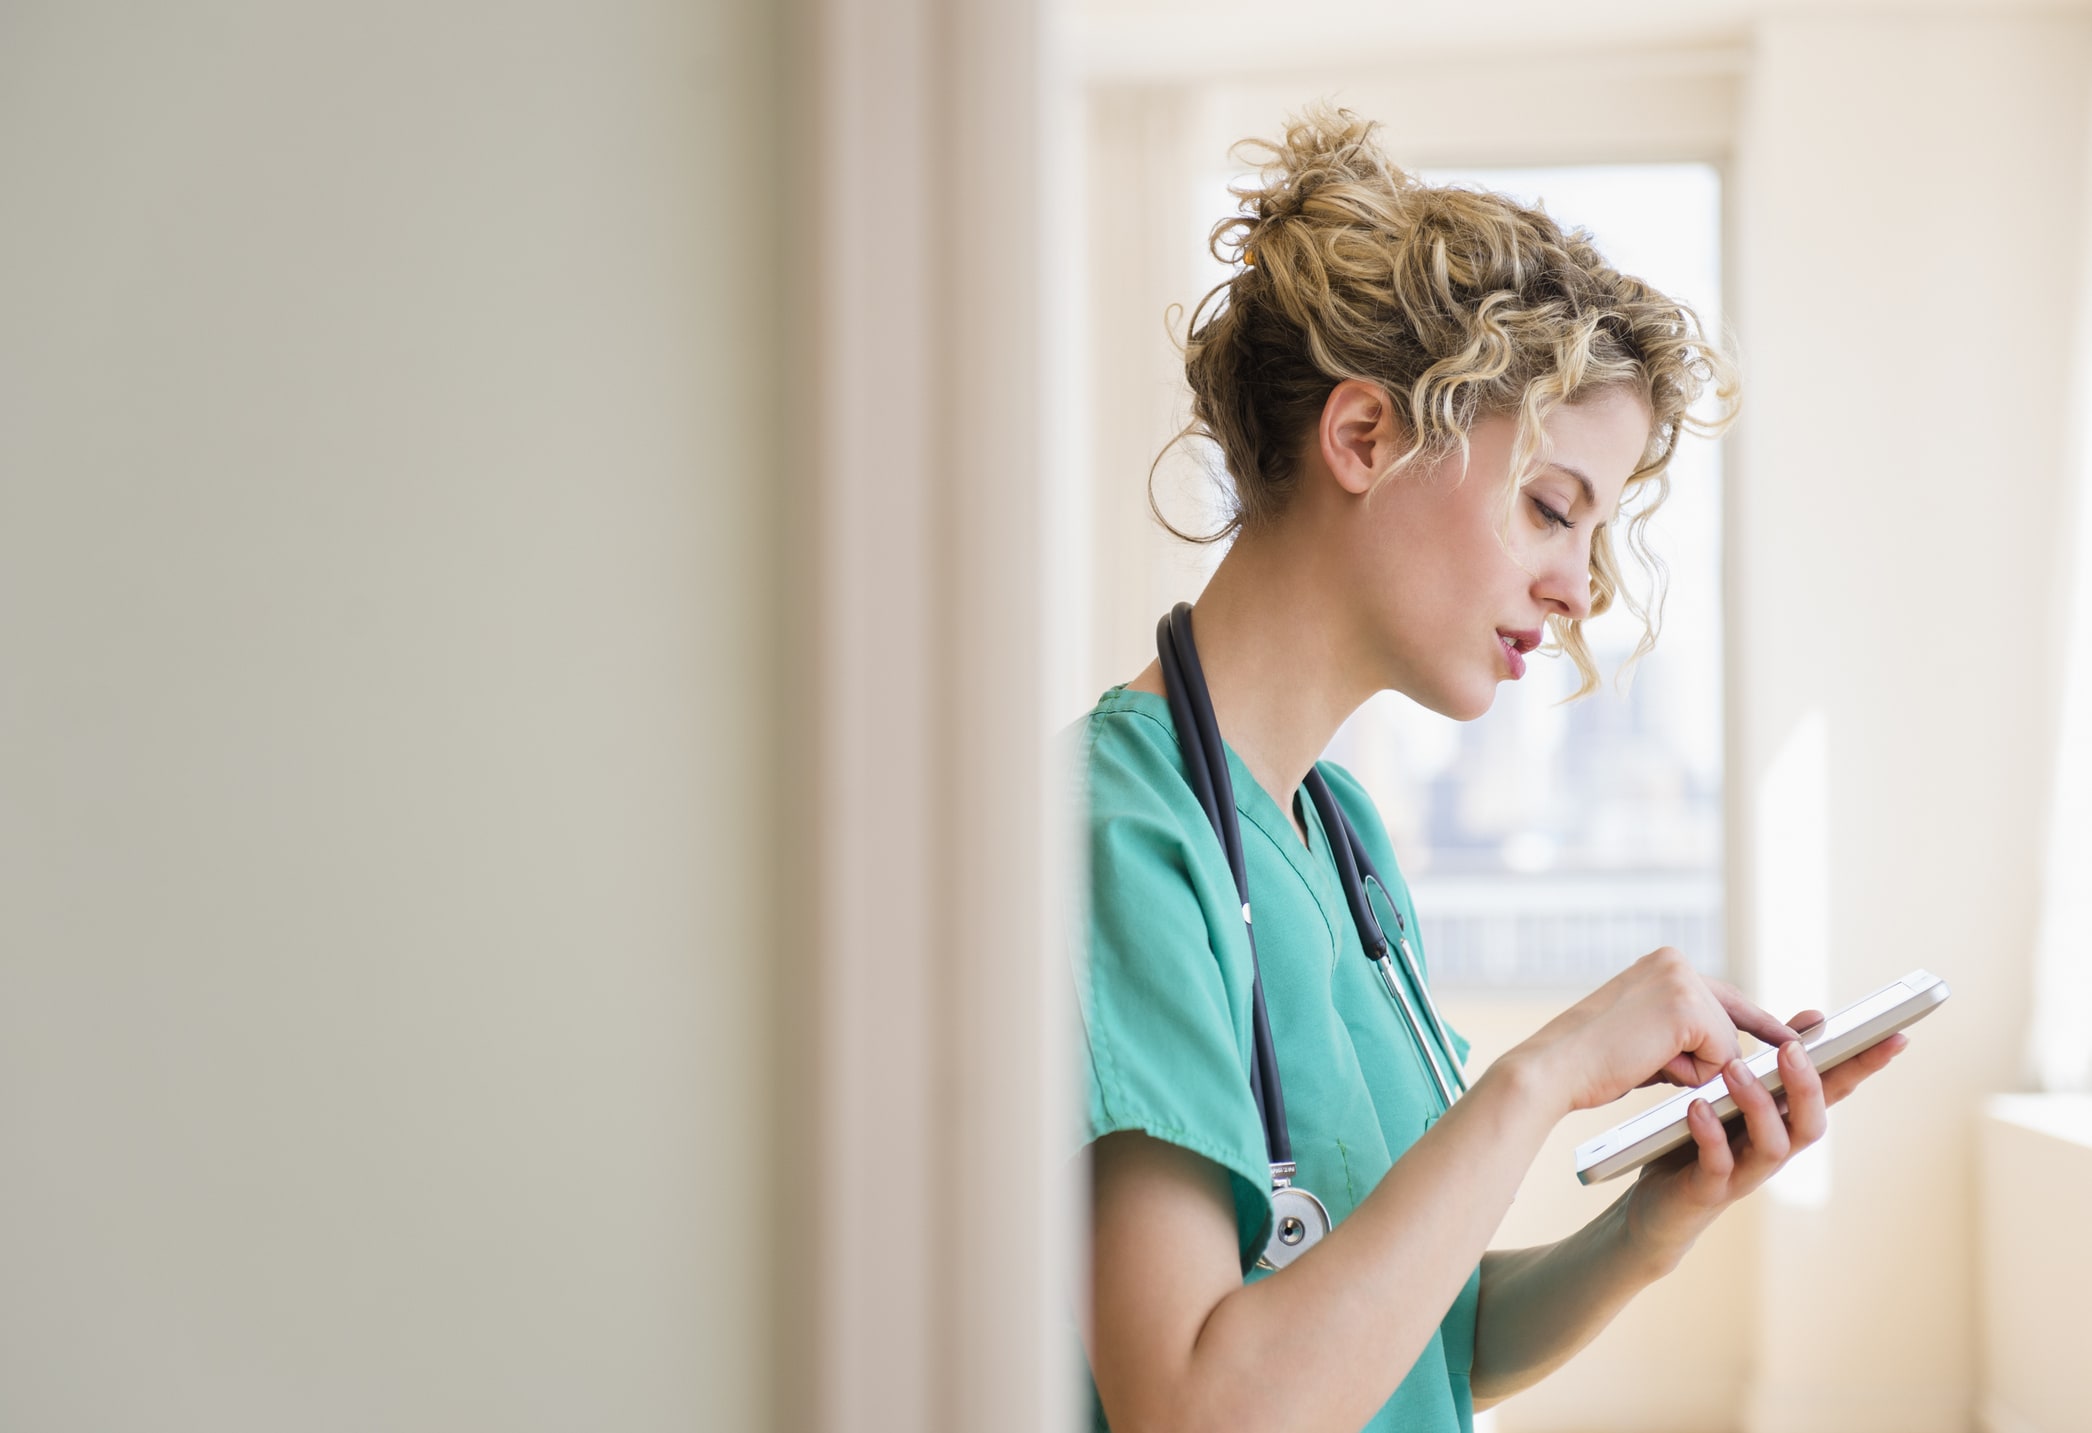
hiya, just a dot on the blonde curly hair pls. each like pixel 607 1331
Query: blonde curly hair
pixel 1460 304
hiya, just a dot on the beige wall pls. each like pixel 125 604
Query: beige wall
pixel 528 588
pixel 386 555
pixel 936 1019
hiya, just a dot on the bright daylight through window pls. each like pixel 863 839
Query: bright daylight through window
pixel 1549 845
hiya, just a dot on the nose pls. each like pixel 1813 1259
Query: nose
pixel 1564 584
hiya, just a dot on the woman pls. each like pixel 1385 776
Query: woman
pixel 1431 403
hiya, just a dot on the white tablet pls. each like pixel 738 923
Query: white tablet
pixel 1863 1023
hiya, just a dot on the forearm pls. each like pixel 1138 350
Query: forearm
pixel 1539 1306
pixel 1348 1319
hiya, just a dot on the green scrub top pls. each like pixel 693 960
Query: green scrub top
pixel 1163 988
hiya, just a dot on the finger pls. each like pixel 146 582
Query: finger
pixel 1748 1016
pixel 1685 1070
pixel 1695 1068
pixel 1844 1079
pixel 1717 1039
pixel 1806 1120
pixel 1717 1160
pixel 1804 1021
pixel 1761 1119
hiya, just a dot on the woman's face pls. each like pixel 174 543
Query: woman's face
pixel 1462 598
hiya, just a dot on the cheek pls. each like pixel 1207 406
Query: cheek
pixel 1497 565
pixel 1442 556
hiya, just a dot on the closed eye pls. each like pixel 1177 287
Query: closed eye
pixel 1555 518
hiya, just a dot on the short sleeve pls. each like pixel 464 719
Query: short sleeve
pixel 1364 816
pixel 1162 972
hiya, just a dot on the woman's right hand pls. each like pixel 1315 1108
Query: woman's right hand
pixel 1659 1019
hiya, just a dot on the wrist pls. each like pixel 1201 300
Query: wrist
pixel 1656 1238
pixel 1529 1080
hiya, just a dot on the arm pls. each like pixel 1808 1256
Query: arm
pixel 1539 1306
pixel 1176 1340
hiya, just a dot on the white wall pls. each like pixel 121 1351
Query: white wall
pixel 386 520
pixel 1907 258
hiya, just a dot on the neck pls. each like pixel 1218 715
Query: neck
pixel 1272 642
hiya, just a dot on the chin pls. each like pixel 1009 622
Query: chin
pixel 1464 703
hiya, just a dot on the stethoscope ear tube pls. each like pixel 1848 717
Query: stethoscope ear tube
pixel 1355 873
pixel 1343 847
pixel 1206 764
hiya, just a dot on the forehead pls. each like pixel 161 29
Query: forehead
pixel 1597 443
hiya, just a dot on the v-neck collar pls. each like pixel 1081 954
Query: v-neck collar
pixel 1312 861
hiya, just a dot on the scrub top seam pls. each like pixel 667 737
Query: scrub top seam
pixel 1138 715
pixel 1098 1042
pixel 1140 1121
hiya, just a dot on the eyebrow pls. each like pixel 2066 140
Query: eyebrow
pixel 1590 493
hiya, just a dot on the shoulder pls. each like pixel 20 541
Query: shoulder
pixel 1124 757
pixel 1125 728
pixel 1161 899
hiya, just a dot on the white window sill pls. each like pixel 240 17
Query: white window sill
pixel 2064 1117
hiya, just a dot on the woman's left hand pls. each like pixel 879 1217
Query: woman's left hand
pixel 1678 1196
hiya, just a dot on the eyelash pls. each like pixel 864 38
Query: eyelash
pixel 1558 519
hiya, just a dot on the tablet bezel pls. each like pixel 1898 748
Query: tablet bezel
pixel 1645 1136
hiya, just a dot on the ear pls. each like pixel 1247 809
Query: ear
pixel 1358 433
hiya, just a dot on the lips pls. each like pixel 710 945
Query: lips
pixel 1516 644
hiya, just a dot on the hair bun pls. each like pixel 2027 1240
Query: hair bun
pixel 1323 149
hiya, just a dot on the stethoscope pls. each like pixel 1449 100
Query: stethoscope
pixel 1299 1219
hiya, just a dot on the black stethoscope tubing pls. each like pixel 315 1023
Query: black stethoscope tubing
pixel 1206 767
pixel 1206 763
pixel 1356 873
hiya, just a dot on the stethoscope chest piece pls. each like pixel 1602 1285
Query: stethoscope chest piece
pixel 1298 1222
